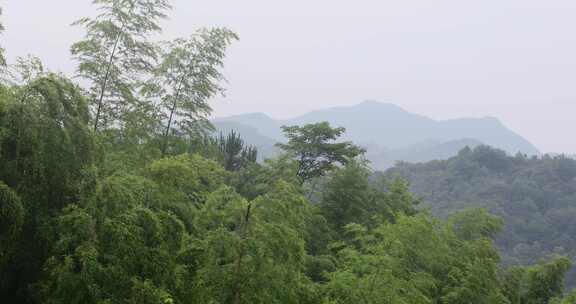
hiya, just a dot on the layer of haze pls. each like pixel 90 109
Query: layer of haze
pixel 513 59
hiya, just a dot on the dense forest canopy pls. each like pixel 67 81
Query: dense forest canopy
pixel 536 197
pixel 116 192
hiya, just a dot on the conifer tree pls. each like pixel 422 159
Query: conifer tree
pixel 235 152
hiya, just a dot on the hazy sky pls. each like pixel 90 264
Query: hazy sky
pixel 512 59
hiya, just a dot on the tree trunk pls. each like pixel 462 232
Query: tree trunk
pixel 105 81
pixel 170 118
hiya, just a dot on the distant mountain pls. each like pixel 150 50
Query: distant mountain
pixel 388 132
pixel 572 156
pixel 262 123
pixel 250 135
pixel 423 152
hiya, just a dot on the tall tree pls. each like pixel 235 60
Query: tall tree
pixel 315 148
pixel 114 53
pixel 188 76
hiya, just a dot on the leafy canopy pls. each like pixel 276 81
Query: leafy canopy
pixel 315 148
pixel 187 77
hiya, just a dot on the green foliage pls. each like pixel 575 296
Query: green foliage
pixel 472 224
pixel 261 258
pixel 538 284
pixel 11 220
pixel 545 281
pixel 188 76
pixel 349 197
pixel 533 196
pixel 236 155
pixel 414 260
pixel 314 148
pixel 187 174
pixel 569 299
pixel 125 257
pixel 26 69
pixel 114 54
pixel 104 218
pixel 128 241
pixel 255 180
pixel 131 240
pixel 46 143
pixel 46 146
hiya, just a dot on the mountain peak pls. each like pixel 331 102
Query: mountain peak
pixel 389 126
pixel 380 105
pixel 493 120
pixel 252 115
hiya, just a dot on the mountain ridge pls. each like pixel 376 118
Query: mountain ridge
pixel 388 127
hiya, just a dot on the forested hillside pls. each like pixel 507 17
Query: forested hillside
pixel 115 191
pixel 536 197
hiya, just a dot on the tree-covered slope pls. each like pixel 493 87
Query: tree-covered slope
pixel 118 193
pixel 423 152
pixel 536 197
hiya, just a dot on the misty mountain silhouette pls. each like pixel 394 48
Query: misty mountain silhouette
pixel 387 131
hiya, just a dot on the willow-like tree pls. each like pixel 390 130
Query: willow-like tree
pixel 46 145
pixel 188 76
pixel 115 52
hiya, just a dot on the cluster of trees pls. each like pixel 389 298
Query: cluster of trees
pixel 114 193
pixel 536 197
pixel 183 229
pixel 141 91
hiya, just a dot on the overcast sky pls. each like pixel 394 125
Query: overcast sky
pixel 512 59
